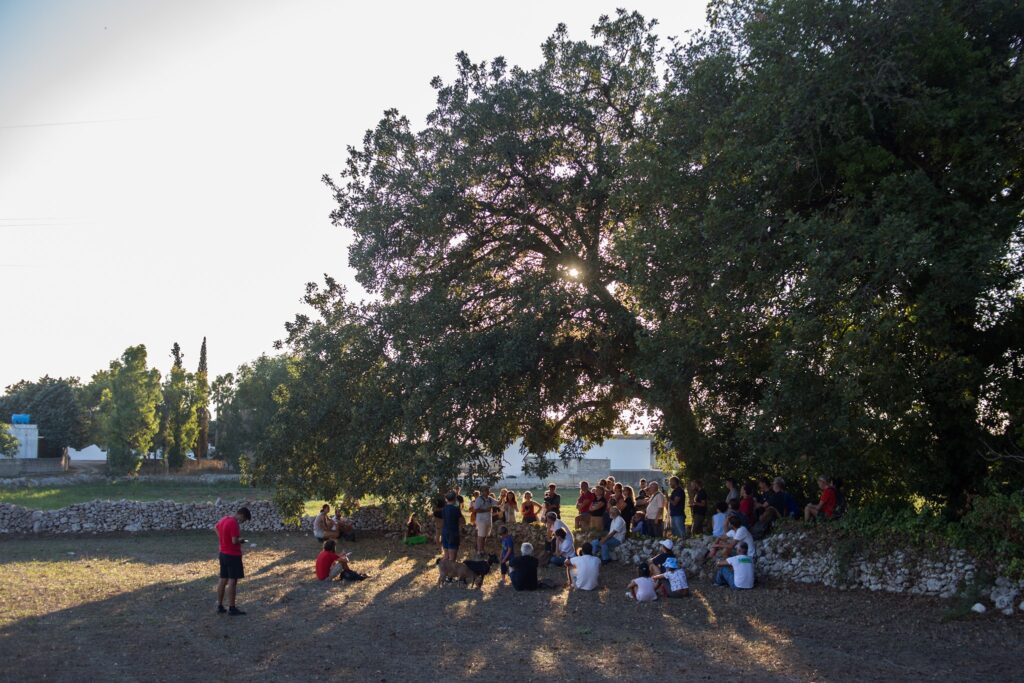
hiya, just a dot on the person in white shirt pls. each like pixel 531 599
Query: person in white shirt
pixel 654 513
pixel 564 548
pixel 613 539
pixel 672 582
pixel 554 524
pixel 483 506
pixel 641 588
pixel 736 571
pixel 737 533
pixel 586 567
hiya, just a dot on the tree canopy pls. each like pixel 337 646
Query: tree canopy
pixel 792 241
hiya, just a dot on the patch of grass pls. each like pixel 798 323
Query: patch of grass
pixel 51 498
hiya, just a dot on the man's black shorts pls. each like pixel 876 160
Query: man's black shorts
pixel 231 567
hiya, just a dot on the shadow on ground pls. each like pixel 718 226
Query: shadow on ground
pixel 397 626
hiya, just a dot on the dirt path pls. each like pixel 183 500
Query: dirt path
pixel 140 608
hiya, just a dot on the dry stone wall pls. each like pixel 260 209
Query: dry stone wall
pixel 106 516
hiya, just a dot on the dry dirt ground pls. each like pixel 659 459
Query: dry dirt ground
pixel 141 608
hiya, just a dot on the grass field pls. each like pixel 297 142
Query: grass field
pixel 141 608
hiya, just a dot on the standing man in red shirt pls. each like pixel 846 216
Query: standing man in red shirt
pixel 229 533
pixel 826 505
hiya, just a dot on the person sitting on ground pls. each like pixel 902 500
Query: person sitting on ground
pixel 613 539
pixel 323 525
pixel 564 548
pixel 530 508
pixel 736 571
pixel 677 507
pixel 698 507
pixel 506 551
pixel 654 524
pixel 523 569
pixel 552 501
pixel 656 562
pixel 583 503
pixel 641 588
pixel 718 519
pixel 451 527
pixel 586 567
pixel 747 506
pixel 672 583
pixel 345 528
pixel 826 505
pixel 412 526
pixel 331 565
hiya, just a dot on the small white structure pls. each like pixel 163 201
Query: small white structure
pixel 28 440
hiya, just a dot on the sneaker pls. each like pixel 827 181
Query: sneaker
pixel 234 611
pixel 221 610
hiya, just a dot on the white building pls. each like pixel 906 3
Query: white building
pixel 28 440
pixel 629 455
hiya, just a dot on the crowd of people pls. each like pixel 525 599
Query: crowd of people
pixel 616 511
pixel 612 509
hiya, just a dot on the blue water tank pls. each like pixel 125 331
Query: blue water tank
pixel 20 419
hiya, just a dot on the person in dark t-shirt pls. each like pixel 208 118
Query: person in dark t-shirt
pixel 451 522
pixel 524 569
pixel 698 507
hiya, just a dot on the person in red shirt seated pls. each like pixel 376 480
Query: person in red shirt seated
pixel 229 534
pixel 826 505
pixel 583 504
pixel 331 565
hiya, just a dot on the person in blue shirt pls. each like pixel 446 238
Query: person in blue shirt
pixel 451 521
pixel 506 551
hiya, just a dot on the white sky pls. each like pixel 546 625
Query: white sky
pixel 178 195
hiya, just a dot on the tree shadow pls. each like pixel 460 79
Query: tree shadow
pixel 398 625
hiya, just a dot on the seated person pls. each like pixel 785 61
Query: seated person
pixel 554 524
pixel 345 528
pixel 586 567
pixel 718 519
pixel 323 525
pixel 641 588
pixel 613 539
pixel 672 582
pixel 826 505
pixel 564 548
pixel 331 565
pixel 736 571
pixel 656 563
pixel 523 569
pixel 737 534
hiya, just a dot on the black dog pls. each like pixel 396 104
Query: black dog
pixel 481 568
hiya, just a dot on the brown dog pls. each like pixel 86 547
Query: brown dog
pixel 456 571
pixel 469 572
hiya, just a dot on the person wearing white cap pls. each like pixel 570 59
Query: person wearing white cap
pixel 656 562
pixel 672 582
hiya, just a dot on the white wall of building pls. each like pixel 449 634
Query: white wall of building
pixel 89 453
pixel 632 453
pixel 28 440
